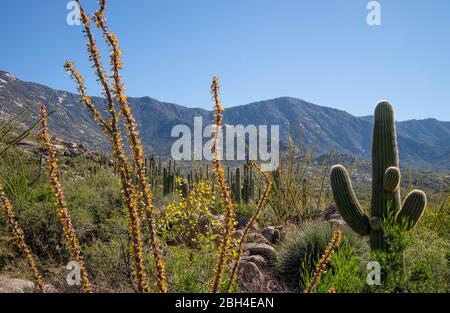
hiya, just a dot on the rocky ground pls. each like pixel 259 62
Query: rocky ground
pixel 256 271
pixel 257 266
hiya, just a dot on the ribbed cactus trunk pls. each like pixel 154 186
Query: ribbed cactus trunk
pixel 385 185
pixel 384 156
pixel 238 189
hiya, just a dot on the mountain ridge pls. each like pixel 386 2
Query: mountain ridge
pixel 423 143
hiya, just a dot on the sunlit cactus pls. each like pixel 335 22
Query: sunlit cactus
pixel 385 185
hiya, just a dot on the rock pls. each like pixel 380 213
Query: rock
pixel 50 289
pixel 28 144
pixel 256 238
pixel 332 213
pixel 259 260
pixel 238 234
pixel 250 275
pixel 336 222
pixel 276 236
pixel 242 222
pixel 77 152
pixel 13 285
pixel 262 249
pixel 58 147
pixel 271 234
pixel 334 216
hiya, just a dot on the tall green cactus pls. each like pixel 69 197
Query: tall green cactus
pixel 238 188
pixel 385 185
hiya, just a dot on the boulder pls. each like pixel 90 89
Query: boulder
pixel 242 222
pixel 15 285
pixel 332 213
pixel 250 275
pixel 271 234
pixel 337 222
pixel 259 260
pixel 238 234
pixel 254 237
pixel 262 249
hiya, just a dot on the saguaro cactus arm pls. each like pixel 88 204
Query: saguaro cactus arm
pixel 412 208
pixel 391 179
pixel 347 202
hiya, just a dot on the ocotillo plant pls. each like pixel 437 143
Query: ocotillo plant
pixel 133 195
pixel 61 208
pixel 20 239
pixel 385 185
pixel 222 260
pixel 136 147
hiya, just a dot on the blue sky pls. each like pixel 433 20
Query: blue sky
pixel 322 51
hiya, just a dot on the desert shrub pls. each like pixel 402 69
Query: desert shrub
pixel 189 220
pixel 190 270
pixel 7 248
pixel 299 186
pixel 92 201
pixel 437 217
pixel 346 274
pixel 108 257
pixel 244 210
pixel 427 263
pixel 416 261
pixel 303 247
pixel 31 199
pixel 393 275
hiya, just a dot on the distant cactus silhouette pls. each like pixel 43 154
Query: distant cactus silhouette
pixel 385 185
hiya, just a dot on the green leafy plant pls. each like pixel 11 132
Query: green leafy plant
pixel 302 249
pixel 346 274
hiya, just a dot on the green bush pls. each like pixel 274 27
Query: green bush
pixel 108 258
pixel 427 263
pixel 91 202
pixel 189 270
pixel 347 274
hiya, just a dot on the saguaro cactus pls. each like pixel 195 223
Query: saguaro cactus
pixel 385 185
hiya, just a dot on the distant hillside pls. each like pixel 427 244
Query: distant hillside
pixel 423 143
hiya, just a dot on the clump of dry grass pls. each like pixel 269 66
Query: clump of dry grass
pixel 324 261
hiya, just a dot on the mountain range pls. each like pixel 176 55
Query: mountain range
pixel 422 143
